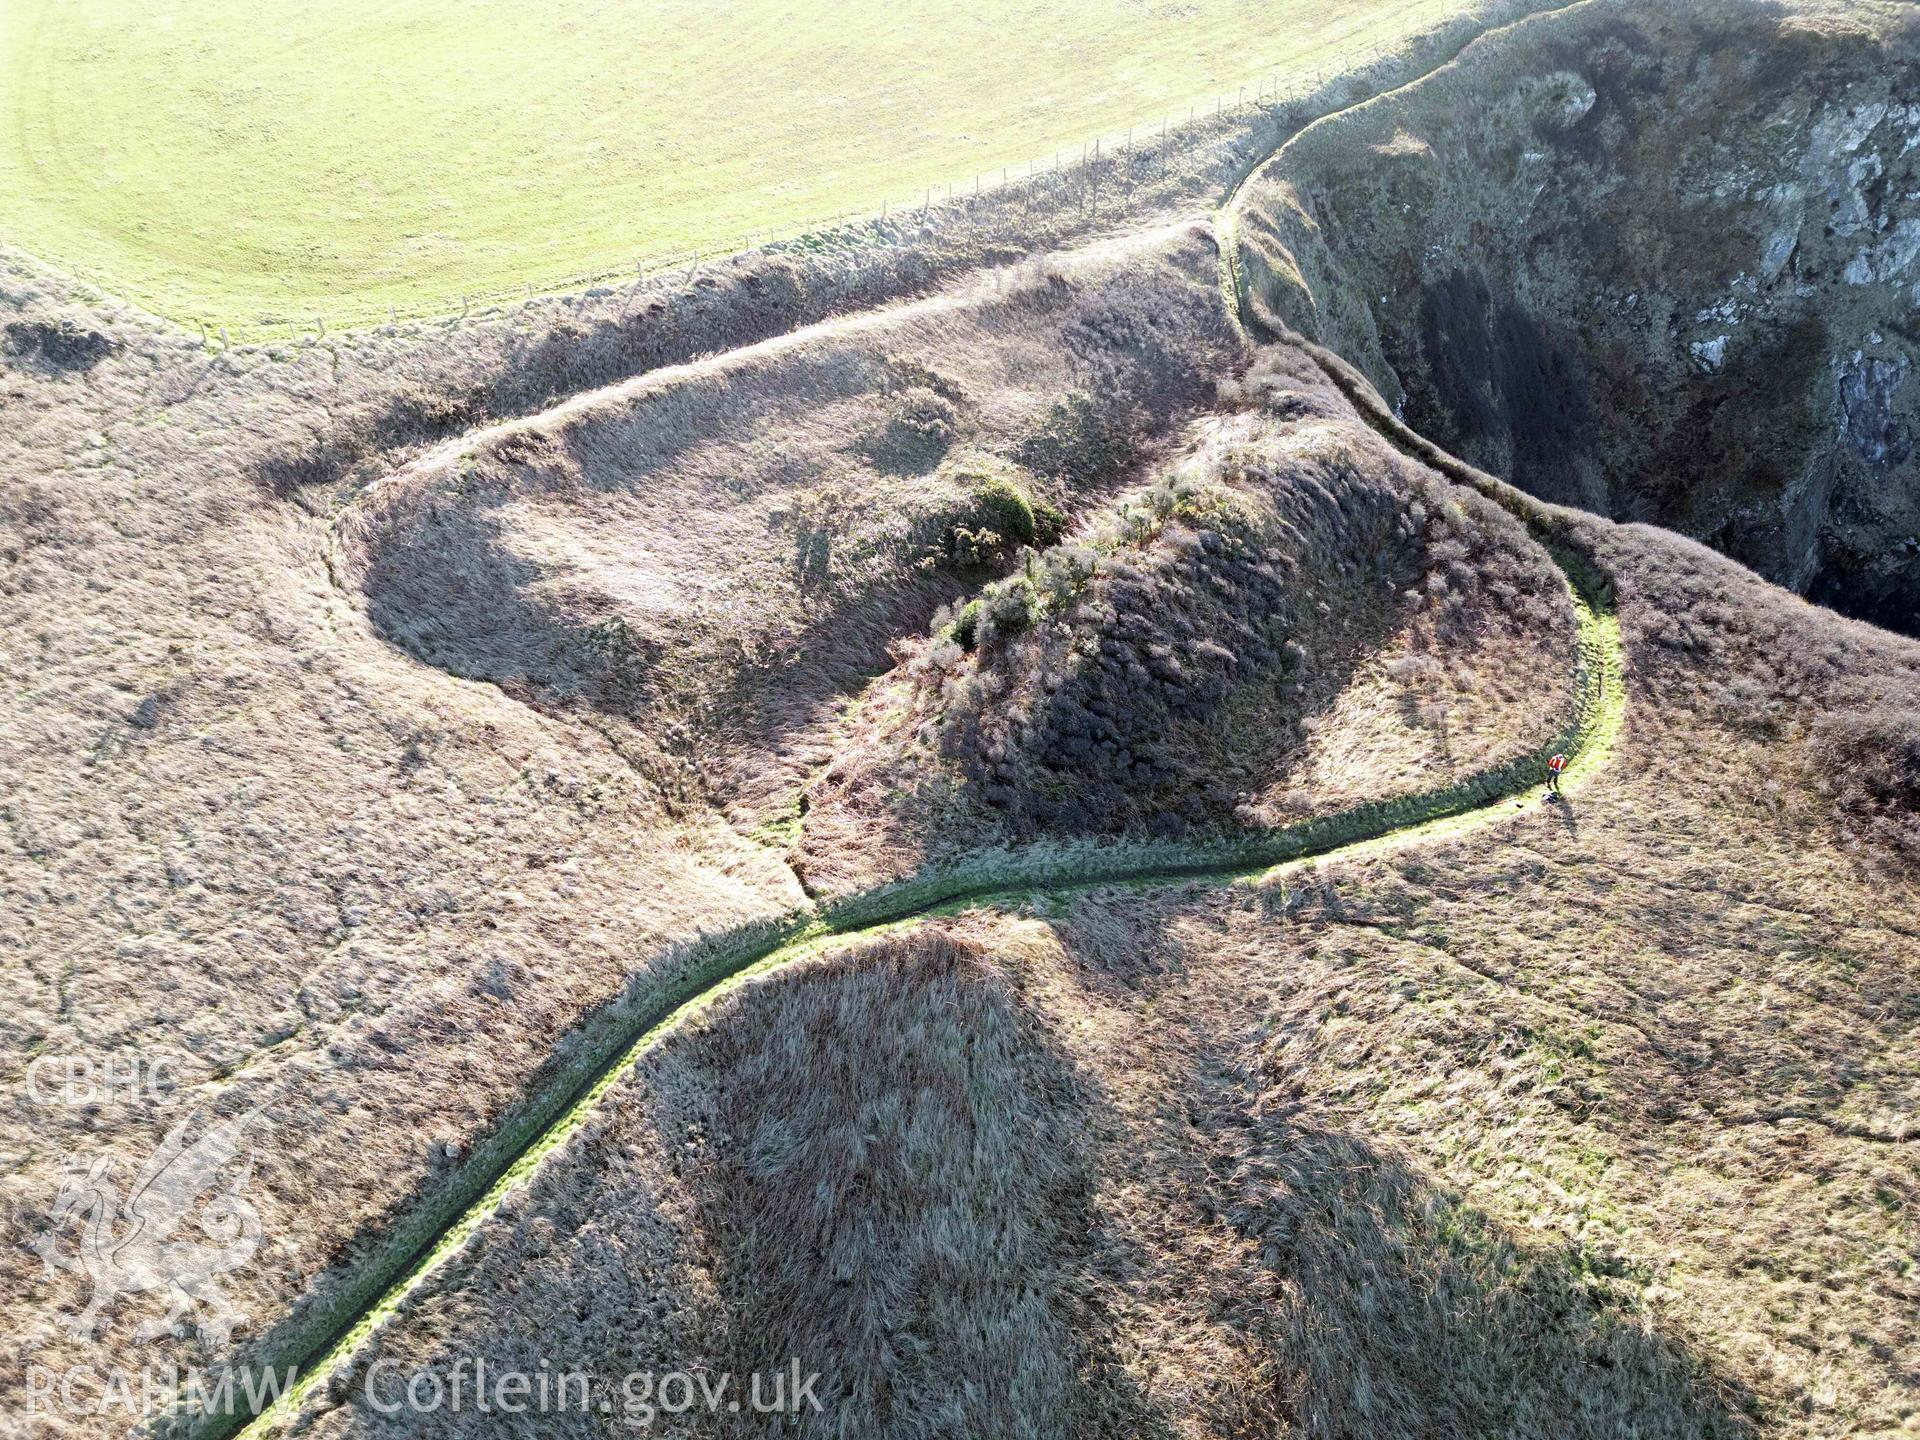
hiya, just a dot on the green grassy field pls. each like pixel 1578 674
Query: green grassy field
pixel 252 165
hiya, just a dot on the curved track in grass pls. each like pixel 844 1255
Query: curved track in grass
pixel 329 1333
pixel 1587 741
pixel 1008 878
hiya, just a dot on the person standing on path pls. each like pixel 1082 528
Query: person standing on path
pixel 1554 767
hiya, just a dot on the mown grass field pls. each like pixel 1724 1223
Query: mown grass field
pixel 252 166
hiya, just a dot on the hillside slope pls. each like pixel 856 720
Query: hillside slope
pixel 1289 621
pixel 1596 1120
pixel 393 913
pixel 713 552
pixel 400 728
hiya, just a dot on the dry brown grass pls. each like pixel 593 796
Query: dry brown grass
pixel 1593 1122
pixel 376 900
pixel 1596 1120
pixel 1006 1178
pixel 243 834
pixel 1290 621
pixel 715 554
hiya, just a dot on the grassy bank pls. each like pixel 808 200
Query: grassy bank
pixel 321 1339
pixel 243 167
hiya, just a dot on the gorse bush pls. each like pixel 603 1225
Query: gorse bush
pixel 1051 579
pixel 63 346
pixel 963 630
pixel 997 513
pixel 1138 675
pixel 1094 665
pixel 1015 514
pixel 419 411
pixel 1143 648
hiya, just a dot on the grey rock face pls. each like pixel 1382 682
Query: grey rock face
pixel 1661 261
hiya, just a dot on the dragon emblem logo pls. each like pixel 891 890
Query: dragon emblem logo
pixel 128 1246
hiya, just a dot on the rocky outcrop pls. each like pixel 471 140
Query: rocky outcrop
pixel 1659 261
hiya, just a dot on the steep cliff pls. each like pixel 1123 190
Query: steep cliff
pixel 1661 264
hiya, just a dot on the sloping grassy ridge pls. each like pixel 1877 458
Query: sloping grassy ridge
pixel 324 1333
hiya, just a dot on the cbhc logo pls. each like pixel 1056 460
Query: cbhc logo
pixel 124 1078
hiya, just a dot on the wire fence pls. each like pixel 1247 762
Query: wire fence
pixel 1140 153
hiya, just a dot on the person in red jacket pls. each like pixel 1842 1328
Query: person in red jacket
pixel 1554 767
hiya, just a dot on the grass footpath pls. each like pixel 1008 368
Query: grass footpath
pixel 253 166
pixel 324 1337
pixel 434 1233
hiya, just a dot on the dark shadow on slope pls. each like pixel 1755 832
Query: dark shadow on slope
pixel 65 348
pixel 899 1193
pixel 1411 1313
pixel 911 1185
pixel 1561 808
pixel 1373 1302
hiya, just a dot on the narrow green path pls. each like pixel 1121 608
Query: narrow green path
pixel 327 1335
pixel 336 1331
